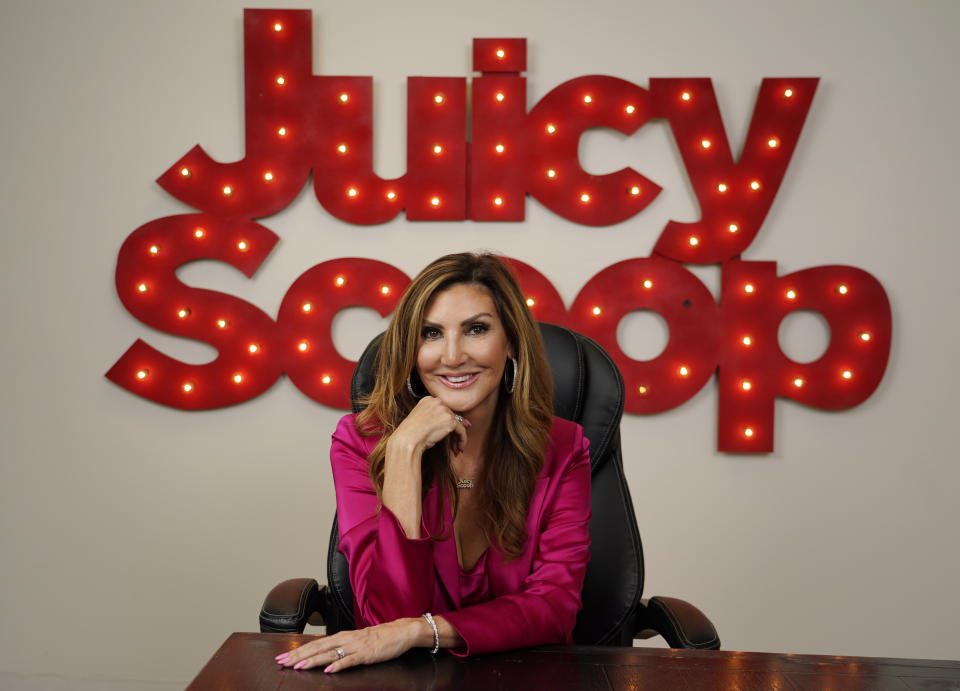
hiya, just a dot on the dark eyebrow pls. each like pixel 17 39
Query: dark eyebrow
pixel 465 322
pixel 475 317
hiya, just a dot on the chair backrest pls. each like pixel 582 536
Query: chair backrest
pixel 588 390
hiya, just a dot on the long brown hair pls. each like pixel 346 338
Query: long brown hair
pixel 516 444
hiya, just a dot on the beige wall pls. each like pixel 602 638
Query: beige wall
pixel 134 538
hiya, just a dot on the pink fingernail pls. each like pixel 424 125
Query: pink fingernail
pixel 282 656
pixel 300 664
pixel 328 669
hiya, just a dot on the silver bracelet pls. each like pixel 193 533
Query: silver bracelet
pixel 436 634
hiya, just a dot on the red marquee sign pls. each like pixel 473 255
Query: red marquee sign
pixel 297 122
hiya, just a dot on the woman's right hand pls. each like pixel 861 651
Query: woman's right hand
pixel 430 422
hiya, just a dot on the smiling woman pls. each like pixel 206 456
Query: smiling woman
pixel 461 360
pixel 462 502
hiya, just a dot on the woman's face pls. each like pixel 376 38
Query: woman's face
pixel 463 349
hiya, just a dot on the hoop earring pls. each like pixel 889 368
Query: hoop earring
pixel 513 379
pixel 410 388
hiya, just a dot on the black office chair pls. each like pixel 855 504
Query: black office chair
pixel 588 389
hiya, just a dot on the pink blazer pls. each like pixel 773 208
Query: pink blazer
pixel 535 597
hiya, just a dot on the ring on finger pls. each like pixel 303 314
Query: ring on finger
pixel 340 653
pixel 458 418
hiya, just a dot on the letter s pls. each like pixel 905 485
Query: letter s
pixel 248 362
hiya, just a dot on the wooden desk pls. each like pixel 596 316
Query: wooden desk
pixel 245 661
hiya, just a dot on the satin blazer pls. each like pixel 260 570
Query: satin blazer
pixel 534 597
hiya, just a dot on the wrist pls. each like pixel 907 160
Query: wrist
pixel 421 633
pixel 400 446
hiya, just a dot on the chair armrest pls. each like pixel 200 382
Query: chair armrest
pixel 292 604
pixel 681 624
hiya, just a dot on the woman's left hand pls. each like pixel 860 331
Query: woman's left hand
pixel 363 647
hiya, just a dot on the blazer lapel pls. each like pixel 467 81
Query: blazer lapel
pixel 507 577
pixel 439 521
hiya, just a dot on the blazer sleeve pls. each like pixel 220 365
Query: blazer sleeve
pixel 392 576
pixel 544 611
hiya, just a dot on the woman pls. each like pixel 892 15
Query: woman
pixel 462 502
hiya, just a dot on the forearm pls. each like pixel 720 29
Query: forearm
pixel 402 484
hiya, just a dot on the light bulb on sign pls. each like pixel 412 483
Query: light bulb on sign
pixel 634 190
pixel 551 129
pixel 143 288
pixel 733 227
pixel 500 53
pixel 183 313
pixel 185 172
pixel 253 348
pixel 842 289
pixel 787 93
pixel 746 340
pixel 438 98
pixel 282 131
pixel 500 96
pixel 302 346
pixel 342 148
pixel 798 382
pixel 755 185
pixel 384 290
pixel 846 374
pixel 326 379
pixel 227 190
pixel 222 323
pixel 243 246
pixel 746 385
pixel 435 201
pixel 551 173
pixel 685 96
pixel 142 374
pixel 498 201
pixel 584 198
pixel 281 80
pixel 352 192
pixel 306 307
pixel 791 295
pixel 684 370
pixel 865 336
pixel 268 176
pixel 154 249
pixel 642 390
pixel 531 302
pixel 630 110
pixel 339 281
pixel 187 387
pixel 748 432
pixel 648 284
pixel 437 149
pixel 596 311
pixel 499 148
pixel 198 233
pixel 748 288
pixel 694 241
pixel 773 142
pixel 343 98
pixel 705 143
pixel 722 187
pixel 237 378
pixel 391 195
pixel 278 27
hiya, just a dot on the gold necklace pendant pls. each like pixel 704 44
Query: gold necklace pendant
pixel 464 484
